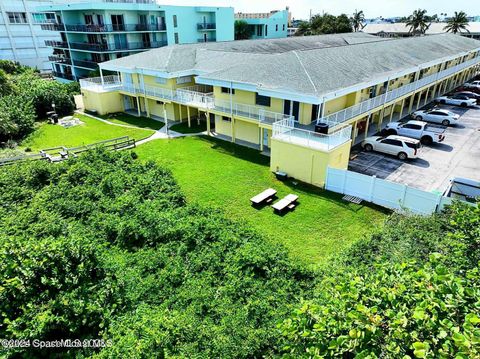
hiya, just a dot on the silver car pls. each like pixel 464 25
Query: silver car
pixel 436 115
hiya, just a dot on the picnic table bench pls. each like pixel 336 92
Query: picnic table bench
pixel 265 196
pixel 288 201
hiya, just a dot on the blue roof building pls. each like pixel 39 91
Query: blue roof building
pixel 271 25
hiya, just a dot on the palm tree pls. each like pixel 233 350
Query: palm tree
pixel 457 23
pixel 418 22
pixel 357 20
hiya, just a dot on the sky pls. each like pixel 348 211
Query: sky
pixel 372 8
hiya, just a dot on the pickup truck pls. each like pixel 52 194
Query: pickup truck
pixel 420 130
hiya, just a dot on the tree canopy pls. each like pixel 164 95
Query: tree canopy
pixel 26 97
pixel 243 31
pixel 325 24
pixel 457 23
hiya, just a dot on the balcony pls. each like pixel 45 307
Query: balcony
pixel 337 118
pixel 200 96
pixel 205 26
pixel 109 83
pixel 57 44
pixel 53 27
pixel 117 47
pixel 286 131
pixel 63 75
pixel 60 59
pixel 86 64
pixel 208 39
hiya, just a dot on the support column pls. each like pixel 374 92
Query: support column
pixel 367 126
pixel 165 118
pixel 426 96
pixel 188 117
pixel 208 123
pixel 261 138
pixel 391 112
pixel 138 106
pixel 435 90
pixel 401 108
pixel 381 116
pixel 418 101
pixel 354 132
pixel 147 107
pixel 232 129
pixel 180 112
pixel 410 104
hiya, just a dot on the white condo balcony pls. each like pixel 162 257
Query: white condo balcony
pixel 337 118
pixel 200 96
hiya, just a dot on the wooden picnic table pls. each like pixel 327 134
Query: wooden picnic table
pixel 288 201
pixel 266 195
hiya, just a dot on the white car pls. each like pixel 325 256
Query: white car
pixel 436 115
pixel 402 147
pixel 473 84
pixel 457 100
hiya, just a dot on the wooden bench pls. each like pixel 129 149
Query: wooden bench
pixel 289 201
pixel 265 196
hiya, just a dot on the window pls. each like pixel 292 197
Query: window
pixel 176 37
pixel 88 19
pixel 315 112
pixel 283 27
pixel 159 102
pixel 160 80
pixel 175 21
pixel 227 90
pixel 17 17
pixel 266 30
pixel 262 100
pixel 184 80
pixel 43 17
pixel 392 142
pixel 226 119
pixel 259 30
pixel 276 27
pixel 412 126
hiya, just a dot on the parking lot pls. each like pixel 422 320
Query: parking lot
pixel 457 156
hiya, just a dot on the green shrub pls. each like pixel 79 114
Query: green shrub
pixel 393 311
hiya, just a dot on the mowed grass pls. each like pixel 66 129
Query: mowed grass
pixel 91 131
pixel 218 173
pixel 126 119
pixel 182 127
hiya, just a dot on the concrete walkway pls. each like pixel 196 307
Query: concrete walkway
pixel 159 134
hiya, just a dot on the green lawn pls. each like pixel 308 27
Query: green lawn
pixel 221 174
pixel 182 127
pixel 91 131
pixel 126 119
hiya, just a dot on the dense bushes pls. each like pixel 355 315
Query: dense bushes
pixel 25 96
pixel 392 296
pixel 106 246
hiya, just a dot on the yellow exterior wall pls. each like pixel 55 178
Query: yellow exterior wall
pixel 223 127
pixel 247 131
pixel 157 109
pixel 306 164
pixel 102 102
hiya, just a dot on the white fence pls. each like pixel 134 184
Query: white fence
pixel 387 194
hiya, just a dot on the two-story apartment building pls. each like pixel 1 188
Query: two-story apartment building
pixel 270 93
pixel 269 25
pixel 93 32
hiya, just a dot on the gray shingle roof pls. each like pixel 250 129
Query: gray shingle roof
pixel 311 66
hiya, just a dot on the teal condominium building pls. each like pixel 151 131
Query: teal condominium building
pixel 93 32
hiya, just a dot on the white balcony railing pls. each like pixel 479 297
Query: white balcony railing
pixel 109 83
pixel 286 131
pixel 199 96
pixel 363 107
